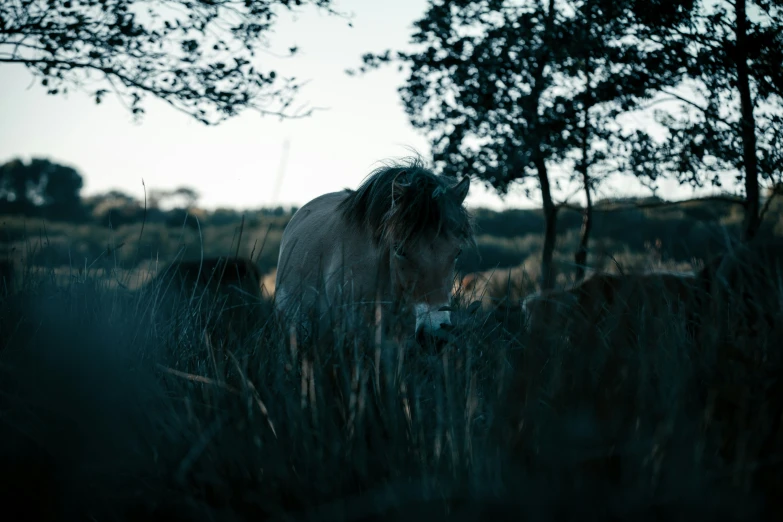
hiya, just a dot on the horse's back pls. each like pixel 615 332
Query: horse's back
pixel 309 243
pixel 754 271
pixel 743 293
pixel 216 274
pixel 625 305
pixel 6 277
pixel 311 224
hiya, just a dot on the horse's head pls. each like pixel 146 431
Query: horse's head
pixel 426 229
pixel 418 225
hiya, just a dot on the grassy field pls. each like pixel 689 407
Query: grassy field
pixel 118 405
pixel 633 237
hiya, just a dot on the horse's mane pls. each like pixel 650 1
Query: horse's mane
pixel 420 210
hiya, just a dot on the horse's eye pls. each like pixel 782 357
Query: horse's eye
pixel 399 253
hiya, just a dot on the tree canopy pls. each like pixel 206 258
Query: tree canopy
pixel 200 57
pixel 729 118
pixel 40 186
pixel 497 83
pixel 506 89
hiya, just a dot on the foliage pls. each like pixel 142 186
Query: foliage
pixel 199 57
pixel 112 411
pixel 187 197
pixel 40 187
pixel 505 239
pixel 493 82
pixel 729 107
pixel 505 89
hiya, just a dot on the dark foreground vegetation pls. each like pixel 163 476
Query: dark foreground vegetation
pixel 126 405
pixel 121 401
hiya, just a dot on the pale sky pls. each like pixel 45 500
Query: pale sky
pixel 235 164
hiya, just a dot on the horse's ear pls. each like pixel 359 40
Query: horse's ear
pixel 400 185
pixel 460 190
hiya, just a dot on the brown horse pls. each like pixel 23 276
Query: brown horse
pixel 736 300
pixel 6 277
pixel 742 296
pixel 216 274
pixel 393 241
pixel 731 363
pixel 741 354
pixel 618 307
pixel 219 287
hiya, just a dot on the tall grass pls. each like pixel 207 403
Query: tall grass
pixel 119 404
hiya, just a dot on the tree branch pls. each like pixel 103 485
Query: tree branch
pixel 704 110
pixel 168 95
pixel 734 200
pixel 198 57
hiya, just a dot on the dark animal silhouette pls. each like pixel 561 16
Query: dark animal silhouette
pixel 741 292
pixel 225 291
pixel 6 277
pixel 740 359
pixel 216 274
pixel 611 308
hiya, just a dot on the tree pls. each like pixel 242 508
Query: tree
pixel 17 182
pixel 729 115
pixel 188 196
pixel 60 191
pixel 196 56
pixel 603 142
pixel 115 208
pixel 505 89
pixel 40 187
pixel 185 196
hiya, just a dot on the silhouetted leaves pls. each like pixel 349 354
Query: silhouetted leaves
pixel 196 56
pixel 724 63
pixel 494 85
pixel 501 87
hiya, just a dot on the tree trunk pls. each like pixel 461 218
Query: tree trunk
pixel 748 128
pixel 580 257
pixel 550 225
pixel 547 279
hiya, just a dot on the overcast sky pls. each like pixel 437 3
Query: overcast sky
pixel 235 164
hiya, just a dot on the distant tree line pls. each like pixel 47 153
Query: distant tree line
pixel 42 188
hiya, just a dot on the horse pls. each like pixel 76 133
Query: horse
pixel 489 287
pixel 619 306
pixel 740 347
pixel 6 277
pixel 217 274
pixel 221 289
pixel 742 295
pixel 393 242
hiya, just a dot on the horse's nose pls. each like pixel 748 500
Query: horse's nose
pixel 421 336
pixel 431 318
pixel 431 336
pixel 426 337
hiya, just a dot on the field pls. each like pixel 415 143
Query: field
pixel 118 404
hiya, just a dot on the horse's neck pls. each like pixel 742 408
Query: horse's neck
pixel 383 289
pixel 362 266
